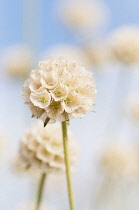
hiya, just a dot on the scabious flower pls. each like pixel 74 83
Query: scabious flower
pixel 41 149
pixel 83 14
pixel 17 61
pixel 59 90
pixel 119 161
pixel 124 45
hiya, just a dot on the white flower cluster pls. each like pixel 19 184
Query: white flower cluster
pixel 59 90
pixel 41 149
pixel 125 45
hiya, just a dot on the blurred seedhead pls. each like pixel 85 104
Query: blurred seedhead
pixel 119 173
pixel 17 61
pixel 83 14
pixel 41 149
pixel 124 45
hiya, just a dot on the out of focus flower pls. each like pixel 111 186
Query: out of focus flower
pixel 98 55
pixel 124 45
pixel 84 14
pixel 119 161
pixel 71 51
pixel 59 90
pixel 17 61
pixel 32 207
pixel 119 173
pixel 42 148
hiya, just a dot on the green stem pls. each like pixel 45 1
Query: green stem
pixel 40 191
pixel 67 163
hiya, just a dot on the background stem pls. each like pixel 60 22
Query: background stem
pixel 40 191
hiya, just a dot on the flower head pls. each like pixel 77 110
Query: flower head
pixel 59 90
pixel 42 148
pixel 124 45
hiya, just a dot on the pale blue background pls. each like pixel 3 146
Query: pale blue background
pixel 14 115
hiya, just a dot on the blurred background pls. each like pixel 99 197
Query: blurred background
pixel 104 37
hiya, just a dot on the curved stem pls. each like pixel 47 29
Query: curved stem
pixel 67 163
pixel 40 191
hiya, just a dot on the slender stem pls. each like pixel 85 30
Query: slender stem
pixel 67 163
pixel 40 191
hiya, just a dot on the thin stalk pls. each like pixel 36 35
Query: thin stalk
pixel 40 191
pixel 67 163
